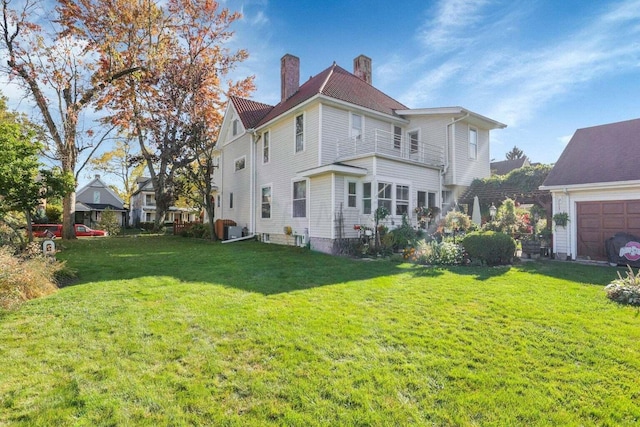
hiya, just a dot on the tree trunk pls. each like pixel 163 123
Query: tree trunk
pixel 210 206
pixel 68 216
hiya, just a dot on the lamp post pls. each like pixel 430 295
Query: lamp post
pixel 492 211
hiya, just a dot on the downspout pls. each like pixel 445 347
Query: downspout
pixel 252 180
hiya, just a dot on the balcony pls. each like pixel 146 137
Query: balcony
pixel 383 143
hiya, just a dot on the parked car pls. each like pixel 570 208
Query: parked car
pixel 55 230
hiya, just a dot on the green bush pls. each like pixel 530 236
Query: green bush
pixel 489 247
pixel 434 253
pixel 402 236
pixel 109 222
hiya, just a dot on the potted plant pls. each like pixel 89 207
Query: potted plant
pixel 561 219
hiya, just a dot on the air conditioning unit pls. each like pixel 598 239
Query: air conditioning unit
pixel 234 232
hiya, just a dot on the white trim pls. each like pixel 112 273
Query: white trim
pixel 306 194
pixel 319 134
pixel 493 124
pixel 333 168
pixel 591 186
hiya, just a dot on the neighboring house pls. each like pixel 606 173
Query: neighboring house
pixel 143 206
pixel 596 181
pixel 93 199
pixel 505 166
pixel 335 149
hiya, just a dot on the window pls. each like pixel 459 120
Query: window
pixel 366 198
pixel 402 199
pixel 299 133
pixel 422 199
pixel 235 127
pixel 384 196
pixel 218 200
pixel 96 196
pixel 397 137
pixel 266 202
pixel 300 199
pixel 351 194
pixel 240 163
pixel 413 142
pixel 149 200
pixel 356 126
pixel 265 147
pixel 431 201
pixel 473 143
pixel 230 200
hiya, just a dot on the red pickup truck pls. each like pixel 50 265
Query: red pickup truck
pixel 55 230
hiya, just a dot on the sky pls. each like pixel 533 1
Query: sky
pixel 543 68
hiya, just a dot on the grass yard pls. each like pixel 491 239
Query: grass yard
pixel 174 331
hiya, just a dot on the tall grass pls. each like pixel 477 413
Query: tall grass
pixel 25 278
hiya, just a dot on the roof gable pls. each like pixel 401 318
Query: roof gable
pixel 250 112
pixel 606 153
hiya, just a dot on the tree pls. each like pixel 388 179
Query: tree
pixel 515 153
pixel 23 180
pixel 65 67
pixel 120 162
pixel 175 109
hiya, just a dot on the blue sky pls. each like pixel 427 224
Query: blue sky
pixel 544 68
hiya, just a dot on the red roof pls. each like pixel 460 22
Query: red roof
pixel 606 153
pixel 334 82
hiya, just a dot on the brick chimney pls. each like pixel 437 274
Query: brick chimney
pixel 289 76
pixel 362 68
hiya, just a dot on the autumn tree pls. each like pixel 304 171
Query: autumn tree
pixel 120 162
pixel 66 65
pixel 176 108
pixel 515 153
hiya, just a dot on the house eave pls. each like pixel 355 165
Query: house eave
pixel 333 168
pixel 454 111
pixel 592 186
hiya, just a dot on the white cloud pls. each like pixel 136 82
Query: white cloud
pixel 564 140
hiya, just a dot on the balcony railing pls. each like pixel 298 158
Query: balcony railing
pixel 385 143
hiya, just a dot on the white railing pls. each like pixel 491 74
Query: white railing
pixel 385 143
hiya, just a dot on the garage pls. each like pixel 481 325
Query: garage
pixel 599 220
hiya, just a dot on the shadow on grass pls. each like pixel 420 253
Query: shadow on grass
pixel 246 265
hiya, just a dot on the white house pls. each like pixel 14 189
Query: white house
pixel 143 206
pixel 333 150
pixel 596 182
pixel 93 199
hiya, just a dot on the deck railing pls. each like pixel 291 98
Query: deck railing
pixel 385 143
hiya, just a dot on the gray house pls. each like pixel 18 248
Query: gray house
pixel 93 199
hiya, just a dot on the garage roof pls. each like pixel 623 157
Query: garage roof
pixel 599 154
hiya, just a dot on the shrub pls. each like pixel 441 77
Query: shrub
pixel 434 253
pixel 22 279
pixel 625 290
pixel 109 222
pixel 489 247
pixel 402 236
pixel 54 213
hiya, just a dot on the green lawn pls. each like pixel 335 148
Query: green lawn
pixel 174 331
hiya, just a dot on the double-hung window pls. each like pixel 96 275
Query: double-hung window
pixel 473 143
pixel 300 199
pixel 397 137
pixel 366 198
pixel 299 133
pixel 351 194
pixel 356 127
pixel 266 201
pixel 402 199
pixel 265 147
pixel 413 142
pixel 385 196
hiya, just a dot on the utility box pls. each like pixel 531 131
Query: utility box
pixel 234 232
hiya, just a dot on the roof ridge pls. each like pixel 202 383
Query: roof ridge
pixel 326 80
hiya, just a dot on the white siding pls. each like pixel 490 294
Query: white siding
pixel 465 168
pixel 335 126
pixel 236 182
pixel 321 211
